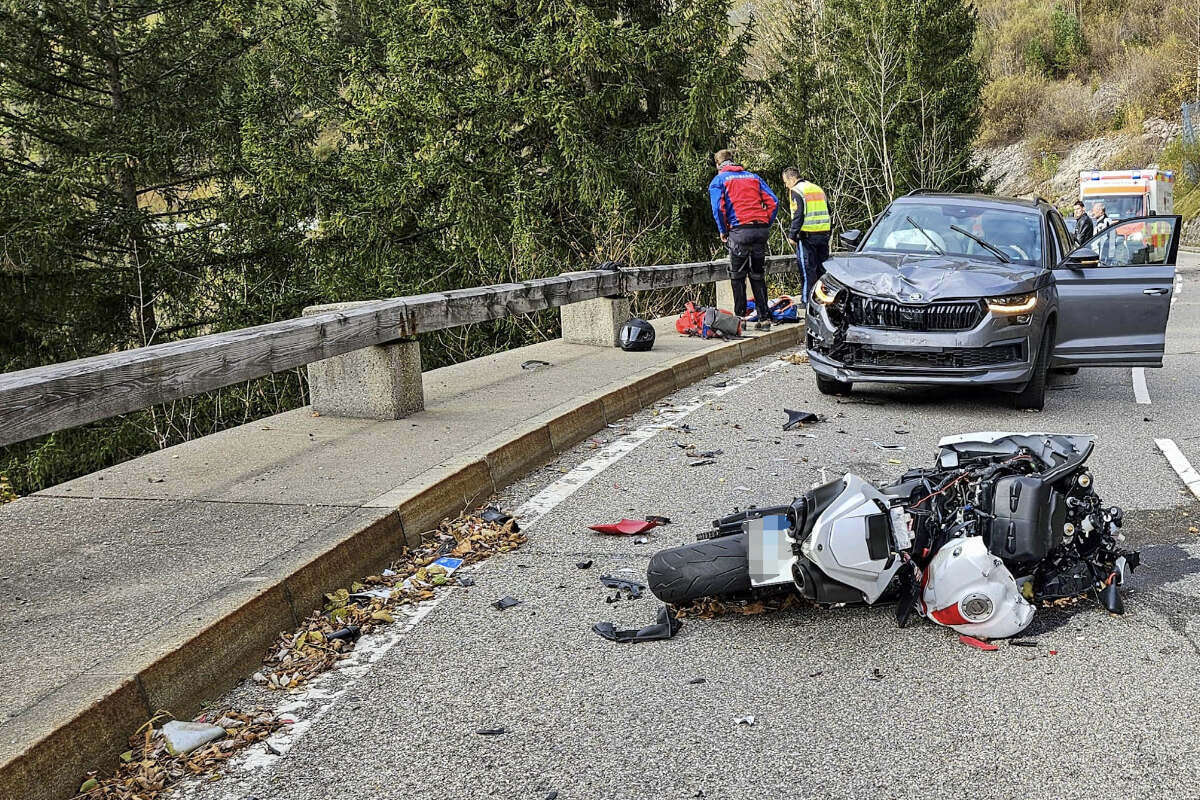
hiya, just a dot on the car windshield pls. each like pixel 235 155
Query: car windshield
pixel 1121 206
pixel 927 227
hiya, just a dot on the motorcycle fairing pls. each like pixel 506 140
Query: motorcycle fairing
pixel 845 543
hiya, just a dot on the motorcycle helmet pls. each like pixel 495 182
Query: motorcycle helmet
pixel 970 590
pixel 637 335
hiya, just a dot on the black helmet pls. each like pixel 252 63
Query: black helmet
pixel 637 334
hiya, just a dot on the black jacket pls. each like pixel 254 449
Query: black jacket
pixel 1084 229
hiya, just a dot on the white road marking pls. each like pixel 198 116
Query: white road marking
pixel 1187 473
pixel 320 698
pixel 1178 289
pixel 1140 392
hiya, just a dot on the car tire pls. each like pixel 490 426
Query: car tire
pixel 832 385
pixel 711 568
pixel 1033 396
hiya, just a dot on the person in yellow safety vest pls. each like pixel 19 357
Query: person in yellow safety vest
pixel 808 232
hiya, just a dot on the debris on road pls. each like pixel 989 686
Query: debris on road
pixel 711 607
pixel 696 681
pixel 1024 642
pixel 978 644
pixel 702 462
pixel 534 363
pixel 497 517
pixel 626 527
pixel 490 731
pixel 148 770
pixel 633 588
pixel 875 675
pixel 184 737
pixel 747 720
pixel 797 418
pixel 883 446
pixel 704 454
pixel 505 602
pixel 297 657
pixel 642 540
pixel 658 520
pixel 584 564
pixel 798 359
pixel 665 628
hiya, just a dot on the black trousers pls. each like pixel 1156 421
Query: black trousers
pixel 747 260
pixel 812 252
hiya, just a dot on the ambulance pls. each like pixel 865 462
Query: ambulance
pixel 1128 192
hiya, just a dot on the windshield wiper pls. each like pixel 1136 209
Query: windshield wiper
pixel 996 251
pixel 925 233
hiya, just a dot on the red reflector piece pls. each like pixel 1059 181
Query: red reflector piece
pixel 978 644
pixel 950 615
pixel 624 527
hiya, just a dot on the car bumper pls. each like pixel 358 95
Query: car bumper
pixel 994 352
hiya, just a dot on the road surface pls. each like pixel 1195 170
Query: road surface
pixel 845 704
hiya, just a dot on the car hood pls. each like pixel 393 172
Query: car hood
pixel 900 276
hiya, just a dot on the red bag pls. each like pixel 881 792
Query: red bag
pixel 691 321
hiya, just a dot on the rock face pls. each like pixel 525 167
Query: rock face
pixel 1015 167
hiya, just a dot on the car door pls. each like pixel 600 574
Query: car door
pixel 1114 313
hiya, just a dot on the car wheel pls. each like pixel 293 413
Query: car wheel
pixel 1033 396
pixel 832 385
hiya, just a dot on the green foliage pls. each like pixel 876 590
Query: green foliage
pixel 886 99
pixel 1062 49
pixel 171 168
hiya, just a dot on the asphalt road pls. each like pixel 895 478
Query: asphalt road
pixel 845 704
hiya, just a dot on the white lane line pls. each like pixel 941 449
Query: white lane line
pixel 320 698
pixel 1140 392
pixel 1187 473
pixel 546 500
pixel 1178 289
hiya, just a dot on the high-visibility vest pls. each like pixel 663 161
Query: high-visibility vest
pixel 816 210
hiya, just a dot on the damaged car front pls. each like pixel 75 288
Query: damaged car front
pixel 944 289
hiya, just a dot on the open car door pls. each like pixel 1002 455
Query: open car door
pixel 1113 311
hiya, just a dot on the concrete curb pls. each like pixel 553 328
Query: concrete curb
pixel 92 717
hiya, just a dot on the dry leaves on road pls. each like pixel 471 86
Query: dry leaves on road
pixel 796 358
pixel 148 769
pixel 711 607
pixel 327 636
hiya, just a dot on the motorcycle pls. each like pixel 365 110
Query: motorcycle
pixel 1002 523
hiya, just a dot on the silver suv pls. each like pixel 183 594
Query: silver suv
pixel 973 289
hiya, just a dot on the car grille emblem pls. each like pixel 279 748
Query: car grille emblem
pixel 915 296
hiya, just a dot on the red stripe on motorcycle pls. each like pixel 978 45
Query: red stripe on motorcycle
pixel 950 615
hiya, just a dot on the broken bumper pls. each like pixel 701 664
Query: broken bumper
pixel 994 352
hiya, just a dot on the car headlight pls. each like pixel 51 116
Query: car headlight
pixel 1012 304
pixel 825 291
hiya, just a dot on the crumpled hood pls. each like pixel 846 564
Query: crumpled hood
pixel 898 276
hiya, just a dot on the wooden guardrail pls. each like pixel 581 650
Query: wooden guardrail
pixel 43 400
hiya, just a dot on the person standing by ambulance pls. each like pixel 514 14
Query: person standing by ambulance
pixel 808 232
pixel 744 208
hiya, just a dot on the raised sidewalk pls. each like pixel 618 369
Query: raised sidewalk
pixel 159 583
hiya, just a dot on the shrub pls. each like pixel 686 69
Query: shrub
pixel 1068 112
pixel 1009 103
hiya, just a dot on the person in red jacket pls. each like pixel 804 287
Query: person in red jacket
pixel 744 208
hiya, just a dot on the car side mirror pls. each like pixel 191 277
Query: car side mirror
pixel 850 238
pixel 1082 258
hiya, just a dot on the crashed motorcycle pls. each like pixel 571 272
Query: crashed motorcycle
pixel 1002 523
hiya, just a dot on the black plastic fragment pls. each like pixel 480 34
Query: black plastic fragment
pixel 490 731
pixel 495 515
pixel 1024 643
pixel 703 462
pixel 666 627
pixel 465 581
pixel 875 675
pixel 347 634
pixel 584 564
pixel 634 588
pixel 658 520
pixel 505 602
pixel 695 681
pixel 534 363
pixel 798 418
pixel 1110 598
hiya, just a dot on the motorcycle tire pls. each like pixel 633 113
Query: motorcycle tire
pixel 711 568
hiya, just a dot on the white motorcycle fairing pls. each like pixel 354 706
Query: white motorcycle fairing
pixel 970 590
pixel 852 540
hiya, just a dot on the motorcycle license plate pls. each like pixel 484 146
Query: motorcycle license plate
pixel 770 550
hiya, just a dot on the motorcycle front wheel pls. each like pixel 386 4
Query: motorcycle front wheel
pixel 710 568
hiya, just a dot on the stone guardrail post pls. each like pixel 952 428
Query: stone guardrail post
pixel 378 382
pixel 596 321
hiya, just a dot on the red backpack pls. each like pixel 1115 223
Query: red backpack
pixel 691 321
pixel 708 322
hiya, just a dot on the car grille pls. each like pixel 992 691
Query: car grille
pixel 961 358
pixel 870 312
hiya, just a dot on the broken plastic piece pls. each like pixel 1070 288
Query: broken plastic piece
pixel 490 731
pixel 627 527
pixel 184 737
pixel 505 602
pixel 746 720
pixel 584 564
pixel 706 454
pixel 465 581
pixel 666 627
pixel 534 363
pixel 703 462
pixel 498 517
pixel 695 681
pixel 875 675
pixel 1024 643
pixel 347 634
pixel 1110 598
pixel 634 588
pixel 798 418
pixel 641 540
pixel 978 644
pixel 658 520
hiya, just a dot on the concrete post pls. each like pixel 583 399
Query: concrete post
pixel 596 322
pixel 378 382
pixel 725 295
